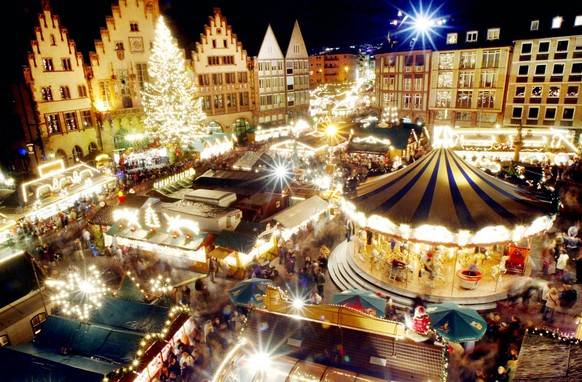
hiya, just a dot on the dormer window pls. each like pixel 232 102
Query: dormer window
pixel 452 38
pixel 472 36
pixel 535 25
pixel 133 26
pixel 557 22
pixel 493 34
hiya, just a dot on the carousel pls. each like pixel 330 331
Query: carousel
pixel 446 230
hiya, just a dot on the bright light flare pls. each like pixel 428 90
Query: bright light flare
pixel 259 361
pixel 420 25
pixel 160 285
pixel 78 295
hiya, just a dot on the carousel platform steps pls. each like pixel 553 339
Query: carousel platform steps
pixel 346 274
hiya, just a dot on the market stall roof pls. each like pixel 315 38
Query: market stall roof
pixel 449 197
pixel 251 160
pixel 235 241
pixel 300 213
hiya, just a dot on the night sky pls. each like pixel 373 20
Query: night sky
pixel 330 23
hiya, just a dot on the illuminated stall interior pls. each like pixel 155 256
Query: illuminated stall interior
pixel 59 187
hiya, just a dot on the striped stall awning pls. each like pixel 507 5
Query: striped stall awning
pixel 441 189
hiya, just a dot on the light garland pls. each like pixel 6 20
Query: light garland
pixel 556 334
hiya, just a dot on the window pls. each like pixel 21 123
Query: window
pixel 242 77
pixel 407 83
pixel 47 94
pixel 446 61
pixel 572 91
pixel 464 99
pixel 452 38
pixel 217 78
pixel 418 81
pixel 577 68
pixel 231 100
pixel 520 91
pixel 133 26
pixel 417 102
pixel 557 22
pixel 419 60
pixel 65 93
pixel 558 69
pixel 550 113
pixel 562 46
pixel 213 60
pixel 77 153
pixel 533 113
pixel 52 124
pixel 47 64
pixel 406 101
pixel 71 121
pixel 82 90
pixel 517 112
pixel 86 118
pixel 578 21
pixel 36 322
pixel 488 79
pixel 493 34
pixel 290 99
pixel 4 340
pixel 203 80
pixel 290 83
pixel 535 25
pixel 463 116
pixel 472 36
pixel 544 47
pixel 445 80
pixel 468 60
pixel 536 91
pixel 526 48
pixel 142 74
pixel 490 59
pixel 523 70
pixel 218 101
pixel 53 40
pixel 119 45
pixel 66 64
pixel 227 60
pixel 230 78
pixel 105 93
pixel 568 114
pixel 243 99
pixel 540 70
pixel 486 99
pixel 466 79
pixel 554 91
pixel 206 102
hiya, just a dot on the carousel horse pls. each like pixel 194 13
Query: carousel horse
pixel 497 271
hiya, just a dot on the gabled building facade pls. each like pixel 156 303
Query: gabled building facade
pixel 221 67
pixel 119 70
pixel 270 82
pixel 55 77
pixel 296 76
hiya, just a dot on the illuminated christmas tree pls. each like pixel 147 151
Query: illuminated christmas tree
pixel 173 115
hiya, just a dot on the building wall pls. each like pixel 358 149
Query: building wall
pixel 221 68
pixel 119 67
pixel 545 83
pixel 468 86
pixel 330 68
pixel 402 85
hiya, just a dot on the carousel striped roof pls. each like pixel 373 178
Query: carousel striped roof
pixel 441 189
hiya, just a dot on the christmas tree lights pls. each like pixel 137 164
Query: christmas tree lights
pixel 174 115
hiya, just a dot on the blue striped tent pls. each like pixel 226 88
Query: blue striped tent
pixel 441 189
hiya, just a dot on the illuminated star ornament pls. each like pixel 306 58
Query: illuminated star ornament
pixel 79 294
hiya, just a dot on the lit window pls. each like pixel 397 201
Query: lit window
pixel 557 22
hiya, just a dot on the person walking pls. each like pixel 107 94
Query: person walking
pixel 561 264
pixel 319 281
pixel 551 305
pixel 213 266
pixel 86 235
